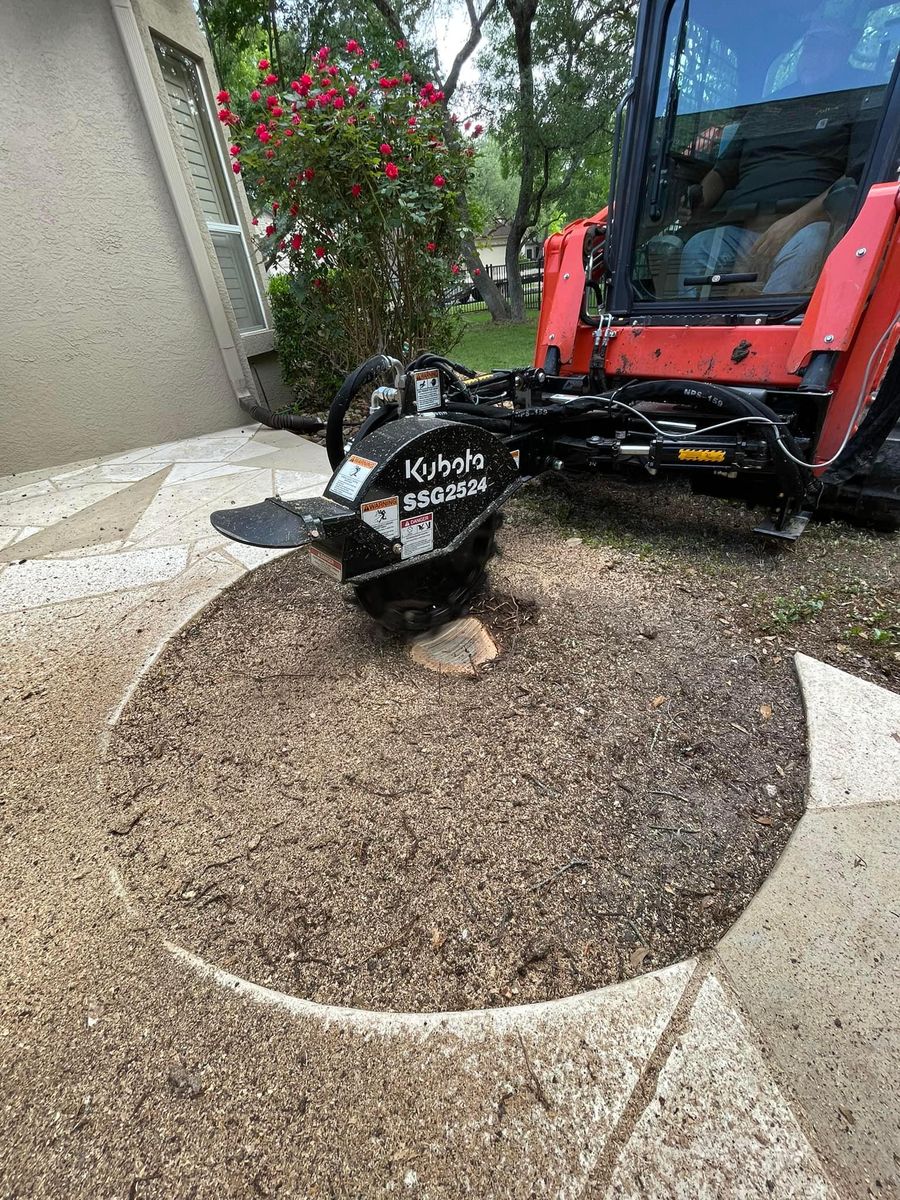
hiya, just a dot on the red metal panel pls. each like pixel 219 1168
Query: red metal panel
pixel 880 313
pixel 847 278
pixel 752 355
pixel 559 323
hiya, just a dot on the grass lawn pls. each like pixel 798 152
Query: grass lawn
pixel 485 345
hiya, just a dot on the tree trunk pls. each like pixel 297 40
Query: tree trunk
pixel 522 13
pixel 487 289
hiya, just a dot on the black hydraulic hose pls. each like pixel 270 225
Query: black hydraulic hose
pixel 294 422
pixel 355 381
pixel 733 402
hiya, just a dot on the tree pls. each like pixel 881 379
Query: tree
pixel 556 115
pixel 493 192
pixel 398 19
pixel 288 29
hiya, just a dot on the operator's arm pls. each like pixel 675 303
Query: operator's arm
pixel 712 187
pixel 781 231
pixel 724 174
pixel 703 195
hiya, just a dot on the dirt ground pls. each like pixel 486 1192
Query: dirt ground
pixel 295 800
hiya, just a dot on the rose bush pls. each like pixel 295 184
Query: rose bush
pixel 350 164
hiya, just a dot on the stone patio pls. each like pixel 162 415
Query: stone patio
pixel 769 1067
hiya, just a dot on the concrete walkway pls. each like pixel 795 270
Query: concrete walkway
pixel 130 1068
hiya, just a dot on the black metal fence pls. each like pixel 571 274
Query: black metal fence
pixel 465 292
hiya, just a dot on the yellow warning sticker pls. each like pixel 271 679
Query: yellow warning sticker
pixel 382 515
pixel 351 475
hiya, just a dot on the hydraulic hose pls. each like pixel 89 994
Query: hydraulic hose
pixel 733 402
pixel 294 422
pixel 354 383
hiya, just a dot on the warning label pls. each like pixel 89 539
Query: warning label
pixel 383 515
pixel 514 454
pixel 351 476
pixel 428 390
pixel 326 563
pixel 417 535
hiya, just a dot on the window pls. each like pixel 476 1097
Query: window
pixel 212 185
pixel 763 128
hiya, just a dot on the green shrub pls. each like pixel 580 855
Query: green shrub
pixel 361 185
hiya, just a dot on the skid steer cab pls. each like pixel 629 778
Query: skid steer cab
pixel 732 316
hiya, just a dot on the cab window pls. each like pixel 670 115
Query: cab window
pixel 763 124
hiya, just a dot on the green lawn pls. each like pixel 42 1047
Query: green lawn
pixel 485 345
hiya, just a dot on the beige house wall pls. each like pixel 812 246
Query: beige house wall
pixel 109 338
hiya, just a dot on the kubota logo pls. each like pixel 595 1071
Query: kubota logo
pixel 424 470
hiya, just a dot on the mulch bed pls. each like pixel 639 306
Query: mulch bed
pixel 298 802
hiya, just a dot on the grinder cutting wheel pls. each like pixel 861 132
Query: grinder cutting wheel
pixel 732 317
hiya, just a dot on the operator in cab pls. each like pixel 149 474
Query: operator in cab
pixel 774 177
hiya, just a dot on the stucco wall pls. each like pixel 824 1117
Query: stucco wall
pixel 105 340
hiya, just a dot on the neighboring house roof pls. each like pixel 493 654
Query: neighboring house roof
pixel 499 235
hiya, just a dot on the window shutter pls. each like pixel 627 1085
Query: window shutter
pixel 197 137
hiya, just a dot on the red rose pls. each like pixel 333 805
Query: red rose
pixel 295 208
pixel 332 71
pixel 236 167
pixel 400 43
pixel 310 103
pixel 270 229
pixel 455 269
pixel 255 95
pixel 270 154
pixel 321 55
pixel 232 150
pixel 407 78
pixel 255 221
pixel 352 90
pixel 263 64
pixel 263 134
pixel 319 252
pixel 222 97
pixel 477 271
pixel 385 149
pixel 439 181
pixel 375 64
pixel 478 131
pixel 277 111
pixel 390 169
pixel 411 122
pixel 296 241
pixel 431 247
pixel 271 79
pixel 338 102
pixel 353 46
pixel 274 206
pixel 309 174
pixel 356 190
